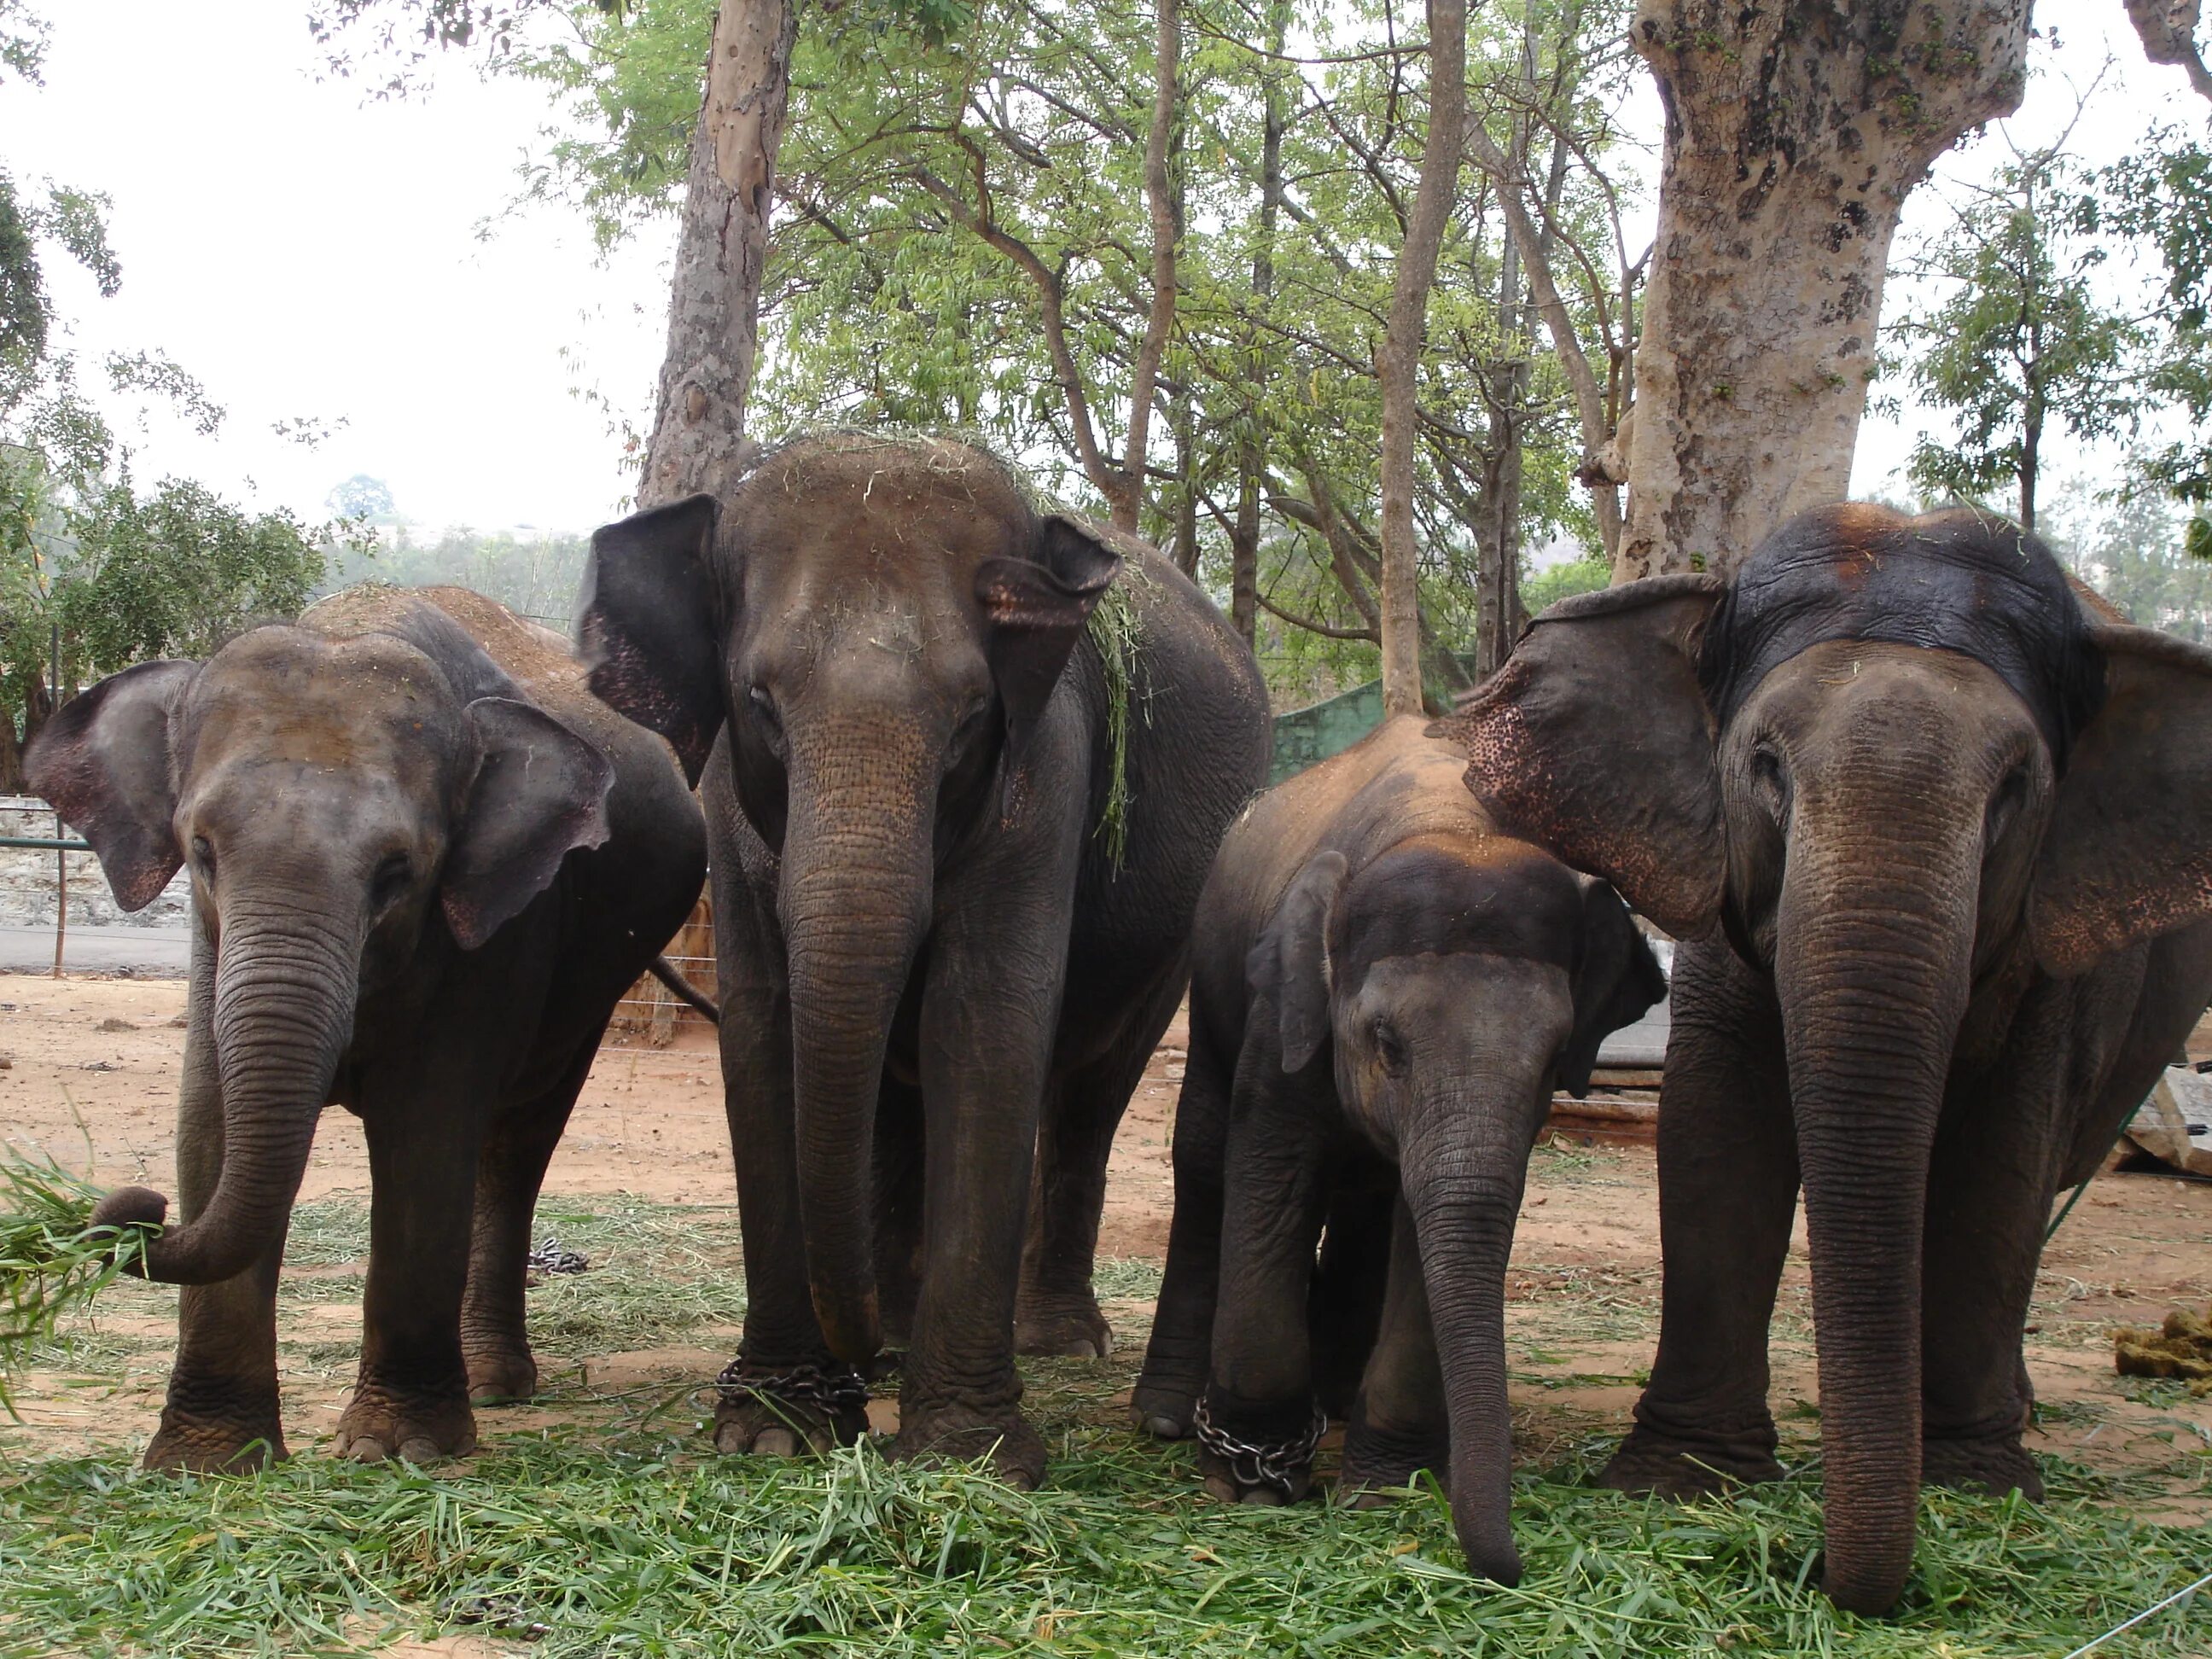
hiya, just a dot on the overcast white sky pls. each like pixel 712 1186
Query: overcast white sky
pixel 308 254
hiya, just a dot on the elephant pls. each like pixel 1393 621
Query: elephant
pixel 1936 837
pixel 1386 993
pixel 959 823
pixel 425 863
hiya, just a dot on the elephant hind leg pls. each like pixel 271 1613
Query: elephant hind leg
pixel 1345 1306
pixel 510 1170
pixel 898 1156
pixel 1057 1312
pixel 1181 1350
pixel 1400 1424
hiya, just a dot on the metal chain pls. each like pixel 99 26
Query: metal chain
pixel 831 1388
pixel 1270 1463
pixel 552 1257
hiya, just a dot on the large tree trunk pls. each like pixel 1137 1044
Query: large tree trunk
pixel 1794 130
pixel 1397 364
pixel 714 313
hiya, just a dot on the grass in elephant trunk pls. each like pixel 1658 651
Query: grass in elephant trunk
pixel 595 1521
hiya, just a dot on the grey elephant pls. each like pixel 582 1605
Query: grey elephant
pixel 1943 838
pixel 1386 993
pixel 425 863
pixel 959 829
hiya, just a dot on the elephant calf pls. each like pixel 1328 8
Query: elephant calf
pixel 425 863
pixel 1386 993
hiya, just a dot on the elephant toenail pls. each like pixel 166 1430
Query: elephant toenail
pixel 1221 1486
pixel 732 1440
pixel 1163 1427
pixel 775 1443
pixel 367 1448
pixel 1266 1498
pixel 420 1449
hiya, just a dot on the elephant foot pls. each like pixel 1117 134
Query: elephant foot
pixel 213 1443
pixel 501 1376
pixel 1380 1462
pixel 1998 1464
pixel 1066 1328
pixel 381 1422
pixel 765 1412
pixel 960 1434
pixel 1649 1462
pixel 1163 1406
pixel 1258 1454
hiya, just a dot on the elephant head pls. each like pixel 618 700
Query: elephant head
pixel 1457 982
pixel 334 798
pixel 1902 767
pixel 879 626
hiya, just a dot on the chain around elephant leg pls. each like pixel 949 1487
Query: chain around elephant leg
pixel 778 1411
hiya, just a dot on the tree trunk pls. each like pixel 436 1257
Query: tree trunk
pixel 1252 453
pixel 1398 363
pixel 1794 132
pixel 1159 197
pixel 2168 29
pixel 714 312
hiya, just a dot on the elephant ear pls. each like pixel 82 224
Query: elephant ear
pixel 1034 611
pixel 1595 740
pixel 1290 962
pixel 104 761
pixel 540 791
pixel 2128 851
pixel 1617 978
pixel 649 625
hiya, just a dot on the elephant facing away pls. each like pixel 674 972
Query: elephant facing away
pixel 425 863
pixel 1943 838
pixel 957 835
pixel 1386 992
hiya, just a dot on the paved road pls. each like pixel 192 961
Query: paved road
pixel 141 952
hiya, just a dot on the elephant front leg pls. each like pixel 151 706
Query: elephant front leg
pixel 1990 1181
pixel 1259 1421
pixel 222 1412
pixel 411 1398
pixel 1401 1422
pixel 510 1170
pixel 1728 1189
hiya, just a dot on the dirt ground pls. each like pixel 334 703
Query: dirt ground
pixel 87 1070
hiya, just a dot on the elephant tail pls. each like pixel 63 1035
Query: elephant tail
pixel 682 989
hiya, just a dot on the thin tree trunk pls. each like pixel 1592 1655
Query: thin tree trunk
pixel 714 312
pixel 1794 132
pixel 1398 363
pixel 1252 453
pixel 1159 197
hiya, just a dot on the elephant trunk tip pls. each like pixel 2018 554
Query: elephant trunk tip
pixel 850 1324
pixel 1491 1557
pixel 1869 1592
pixel 128 1208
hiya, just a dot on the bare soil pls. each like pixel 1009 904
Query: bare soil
pixel 88 1073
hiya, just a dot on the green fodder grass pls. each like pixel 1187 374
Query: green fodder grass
pixel 650 1547
pixel 50 1264
pixel 601 1523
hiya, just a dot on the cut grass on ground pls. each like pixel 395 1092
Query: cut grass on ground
pixel 606 1527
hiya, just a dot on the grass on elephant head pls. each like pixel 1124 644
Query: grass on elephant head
pixel 604 1525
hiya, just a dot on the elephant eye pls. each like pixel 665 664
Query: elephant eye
pixel 762 705
pixel 203 856
pixel 1390 1049
pixel 390 880
pixel 1768 778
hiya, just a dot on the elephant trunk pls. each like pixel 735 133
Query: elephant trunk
pixel 856 901
pixel 1464 1173
pixel 1873 985
pixel 285 985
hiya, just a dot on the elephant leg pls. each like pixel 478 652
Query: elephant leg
pixel 1057 1312
pixel 221 1411
pixel 1261 1394
pixel 1182 1343
pixel 785 1392
pixel 987 1039
pixel 899 1156
pixel 1990 1177
pixel 1345 1307
pixel 1728 1187
pixel 510 1170
pixel 425 1135
pixel 1401 1423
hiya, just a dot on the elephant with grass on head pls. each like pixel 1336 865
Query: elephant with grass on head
pixel 425 863
pixel 1938 837
pixel 959 825
pixel 1387 992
